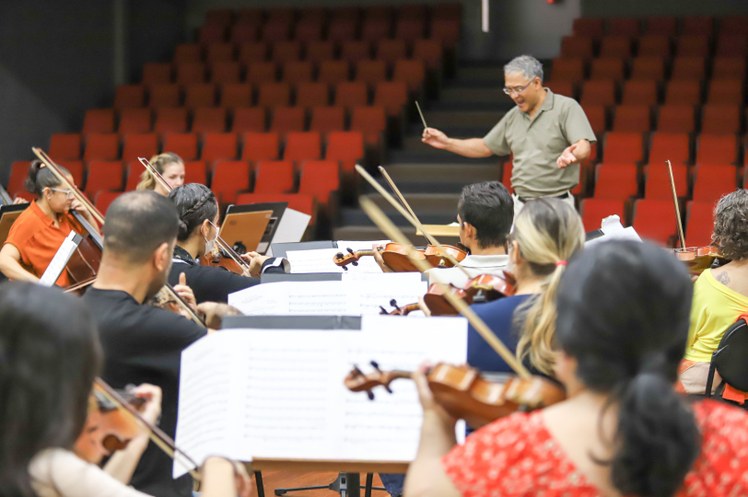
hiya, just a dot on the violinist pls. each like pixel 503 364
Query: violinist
pixel 623 310
pixel 546 233
pixel 142 344
pixel 720 295
pixel 484 212
pixel 39 231
pixel 50 354
pixel 171 168
pixel 198 217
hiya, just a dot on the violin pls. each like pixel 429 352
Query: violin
pixel 108 427
pixel 395 256
pixel 482 288
pixel 697 259
pixel 465 394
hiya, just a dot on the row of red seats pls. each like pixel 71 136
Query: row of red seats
pixel 370 119
pixel 654 45
pixel 389 94
pixel 653 219
pixel 390 50
pixel 708 119
pixel 371 72
pixel 227 179
pixel 629 147
pixel 346 146
pixel 659 25
pixel 706 183
pixel 406 22
pixel 605 92
pixel 647 68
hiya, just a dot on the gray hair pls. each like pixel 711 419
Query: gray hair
pixel 525 64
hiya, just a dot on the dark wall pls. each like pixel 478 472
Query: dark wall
pixel 55 61
pixel 58 59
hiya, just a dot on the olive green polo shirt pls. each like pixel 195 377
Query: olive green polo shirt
pixel 536 144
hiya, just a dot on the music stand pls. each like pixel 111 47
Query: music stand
pixel 236 219
pixel 8 215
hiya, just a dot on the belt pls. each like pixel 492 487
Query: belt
pixel 563 195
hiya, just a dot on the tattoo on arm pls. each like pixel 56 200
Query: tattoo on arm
pixel 723 278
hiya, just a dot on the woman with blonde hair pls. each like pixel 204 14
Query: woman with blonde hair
pixel 546 233
pixel 170 166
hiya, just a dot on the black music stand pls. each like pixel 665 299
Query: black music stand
pixel 277 209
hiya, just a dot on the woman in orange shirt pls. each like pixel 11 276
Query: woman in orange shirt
pixel 39 231
pixel 171 168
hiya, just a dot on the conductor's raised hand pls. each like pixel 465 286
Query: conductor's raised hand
pixel 567 157
pixel 435 138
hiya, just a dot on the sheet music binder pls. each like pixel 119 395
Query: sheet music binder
pixel 8 215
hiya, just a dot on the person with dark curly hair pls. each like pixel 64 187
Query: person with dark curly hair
pixel 622 324
pixel 720 294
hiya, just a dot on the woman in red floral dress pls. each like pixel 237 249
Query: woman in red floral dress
pixel 623 314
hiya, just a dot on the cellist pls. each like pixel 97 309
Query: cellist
pixel 39 231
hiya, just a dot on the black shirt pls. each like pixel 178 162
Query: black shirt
pixel 211 284
pixel 143 344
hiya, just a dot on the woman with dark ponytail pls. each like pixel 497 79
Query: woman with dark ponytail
pixel 39 231
pixel 198 215
pixel 621 327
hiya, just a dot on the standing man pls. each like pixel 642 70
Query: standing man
pixel 547 134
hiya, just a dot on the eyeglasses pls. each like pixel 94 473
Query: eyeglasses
pixel 517 89
pixel 68 193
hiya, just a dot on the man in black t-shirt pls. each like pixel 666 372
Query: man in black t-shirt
pixel 142 344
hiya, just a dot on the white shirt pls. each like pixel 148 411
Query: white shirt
pixel 474 265
pixel 60 473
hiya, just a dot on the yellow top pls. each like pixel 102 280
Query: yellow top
pixel 715 307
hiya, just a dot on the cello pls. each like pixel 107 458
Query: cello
pixel 84 263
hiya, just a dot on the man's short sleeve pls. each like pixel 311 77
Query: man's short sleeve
pixel 496 138
pixel 576 125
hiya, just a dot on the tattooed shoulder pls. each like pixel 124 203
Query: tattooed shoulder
pixel 723 278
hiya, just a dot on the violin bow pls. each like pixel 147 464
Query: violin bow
pixel 411 219
pixel 55 169
pixel 400 196
pixel 157 436
pixel 220 241
pixel 389 228
pixel 675 202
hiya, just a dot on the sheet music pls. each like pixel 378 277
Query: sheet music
pixel 291 227
pixel 280 393
pixel 60 260
pixel 613 230
pixel 354 295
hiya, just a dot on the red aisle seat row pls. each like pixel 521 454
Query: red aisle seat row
pixel 346 93
pixel 218 57
pixel 157 75
pixel 215 146
pixel 624 147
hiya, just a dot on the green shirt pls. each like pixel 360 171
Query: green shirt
pixel 536 144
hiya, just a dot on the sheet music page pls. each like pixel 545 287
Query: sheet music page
pixel 60 259
pixel 353 296
pixel 321 261
pixel 291 227
pixel 281 393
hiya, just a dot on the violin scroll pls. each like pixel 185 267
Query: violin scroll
pixel 465 394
